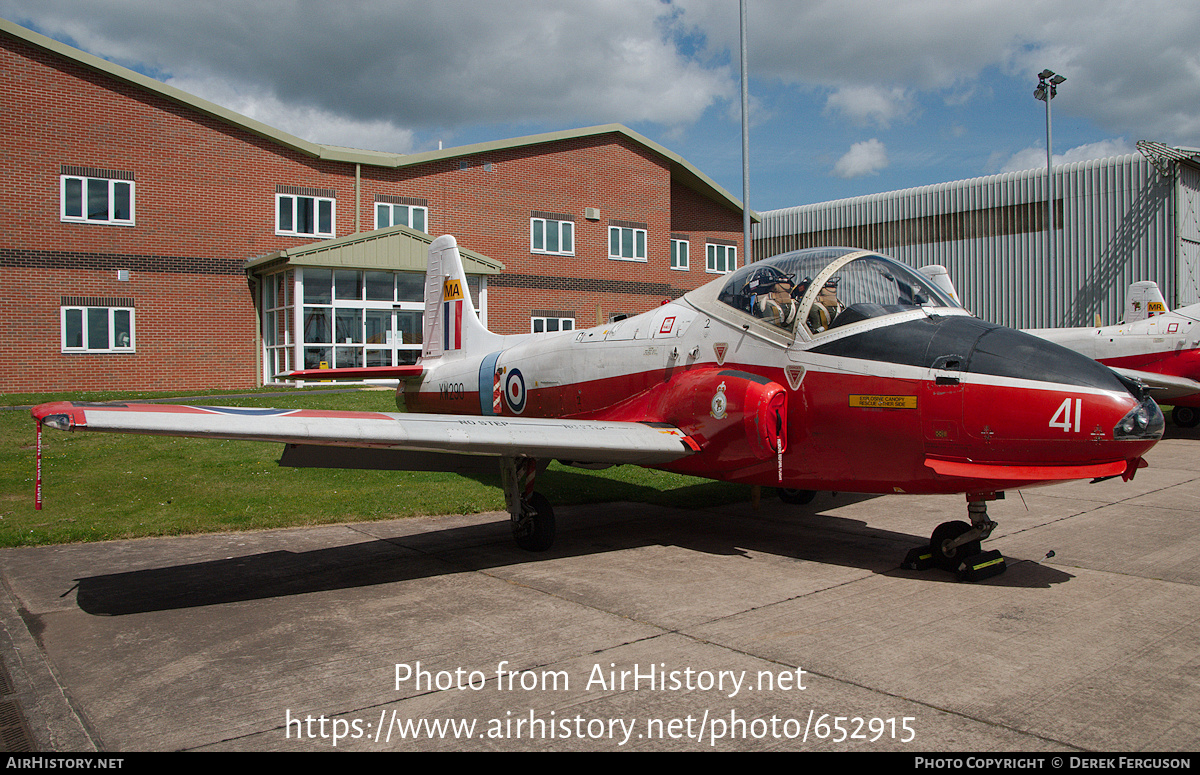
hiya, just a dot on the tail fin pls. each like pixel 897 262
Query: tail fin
pixel 1144 300
pixel 451 325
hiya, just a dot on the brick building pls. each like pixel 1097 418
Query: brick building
pixel 154 240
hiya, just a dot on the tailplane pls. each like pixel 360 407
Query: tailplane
pixel 1144 300
pixel 451 325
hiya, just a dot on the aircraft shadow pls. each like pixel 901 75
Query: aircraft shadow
pixel 1174 431
pixel 796 532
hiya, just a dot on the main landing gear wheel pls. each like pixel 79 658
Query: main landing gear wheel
pixel 1185 416
pixel 945 554
pixel 529 512
pixel 796 497
pixel 534 530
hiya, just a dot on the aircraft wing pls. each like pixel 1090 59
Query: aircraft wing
pixel 1164 388
pixel 583 441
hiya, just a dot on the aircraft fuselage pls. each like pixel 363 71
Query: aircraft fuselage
pixel 922 399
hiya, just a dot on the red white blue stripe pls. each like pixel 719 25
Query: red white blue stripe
pixel 452 325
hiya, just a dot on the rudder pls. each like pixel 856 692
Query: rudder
pixel 1144 300
pixel 451 325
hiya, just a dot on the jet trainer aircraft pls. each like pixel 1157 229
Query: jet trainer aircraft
pixel 1156 345
pixel 820 369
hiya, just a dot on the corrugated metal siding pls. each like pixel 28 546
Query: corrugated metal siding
pixel 1114 224
pixel 1188 218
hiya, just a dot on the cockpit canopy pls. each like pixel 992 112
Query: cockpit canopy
pixel 824 288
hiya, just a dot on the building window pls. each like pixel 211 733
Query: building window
pixel 305 215
pixel 323 317
pixel 360 318
pixel 721 259
pixel 95 199
pixel 627 243
pixel 88 329
pixel 398 214
pixel 679 253
pixel 540 325
pixel 278 304
pixel 552 236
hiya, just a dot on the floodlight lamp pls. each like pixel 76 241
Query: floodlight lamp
pixel 1045 74
pixel 1040 93
pixel 1056 80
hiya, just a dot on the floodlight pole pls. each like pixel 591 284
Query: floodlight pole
pixel 1046 90
pixel 746 240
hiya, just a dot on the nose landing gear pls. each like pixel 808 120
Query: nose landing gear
pixel 956 546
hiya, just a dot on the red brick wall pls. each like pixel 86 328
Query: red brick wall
pixel 488 210
pixel 205 199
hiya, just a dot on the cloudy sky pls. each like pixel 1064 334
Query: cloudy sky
pixel 847 97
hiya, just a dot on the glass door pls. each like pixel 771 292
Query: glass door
pixel 393 337
pixel 380 338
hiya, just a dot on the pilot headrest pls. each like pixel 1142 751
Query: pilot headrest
pixel 764 279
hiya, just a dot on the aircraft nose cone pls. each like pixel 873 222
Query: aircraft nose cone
pixel 1005 352
pixel 1144 421
pixel 1068 405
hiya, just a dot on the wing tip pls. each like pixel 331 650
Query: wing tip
pixel 62 415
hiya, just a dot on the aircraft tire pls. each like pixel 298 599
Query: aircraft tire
pixel 795 497
pixel 1185 417
pixel 539 533
pixel 947 531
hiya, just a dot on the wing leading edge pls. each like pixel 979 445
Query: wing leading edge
pixel 1164 388
pixel 577 440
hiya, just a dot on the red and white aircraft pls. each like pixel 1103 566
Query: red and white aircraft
pixel 1156 345
pixel 821 369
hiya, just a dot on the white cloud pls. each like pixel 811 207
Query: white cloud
pixel 870 104
pixel 419 65
pixel 1027 159
pixel 1035 158
pixel 955 77
pixel 304 121
pixel 865 158
pixel 1131 68
pixel 925 44
pixel 406 64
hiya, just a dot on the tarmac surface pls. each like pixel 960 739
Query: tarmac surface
pixel 644 628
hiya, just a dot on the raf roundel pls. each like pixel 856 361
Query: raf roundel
pixel 514 391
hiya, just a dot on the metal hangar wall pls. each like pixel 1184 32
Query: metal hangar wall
pixel 1117 220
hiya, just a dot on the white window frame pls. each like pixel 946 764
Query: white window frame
pixel 717 255
pixel 410 210
pixel 540 228
pixel 680 250
pixel 638 246
pixel 333 325
pixel 317 202
pixel 88 346
pixel 68 203
pixel 545 321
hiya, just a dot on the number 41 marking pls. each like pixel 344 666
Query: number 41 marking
pixel 1062 418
